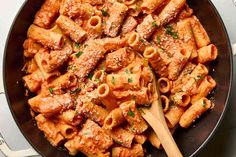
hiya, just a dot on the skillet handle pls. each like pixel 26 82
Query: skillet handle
pixel 4 148
pixel 234 49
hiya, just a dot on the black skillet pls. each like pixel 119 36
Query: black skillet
pixel 190 141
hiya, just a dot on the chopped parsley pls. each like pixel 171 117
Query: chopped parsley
pixel 169 55
pixel 134 97
pixel 142 40
pixel 118 142
pixel 199 77
pixel 79 54
pixel 50 90
pixel 204 103
pixel 103 67
pixel 127 71
pixel 77 45
pixel 90 75
pixel 154 24
pixel 97 80
pixel 158 40
pixel 72 67
pixel 104 12
pixel 130 80
pixel 87 133
pixel 141 110
pixel 75 91
pixel 130 113
pixel 113 80
pixel 169 30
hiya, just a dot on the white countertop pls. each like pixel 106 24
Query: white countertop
pixel 8 11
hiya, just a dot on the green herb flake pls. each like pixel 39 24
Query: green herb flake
pixel 77 45
pixel 78 54
pixel 50 90
pixel 127 71
pixel 142 40
pixel 204 103
pixel 175 35
pixel 169 30
pixel 118 142
pixel 130 80
pixel 141 110
pixel 154 24
pixel 90 76
pixel 103 68
pixel 85 45
pixel 130 113
pixel 134 97
pixel 97 80
pixel 158 40
pixel 104 12
pixel 86 133
pixel 200 77
pixel 75 91
pixel 72 67
pixel 113 80
pixel 169 55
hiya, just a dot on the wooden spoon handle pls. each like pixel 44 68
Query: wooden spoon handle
pixel 155 117
pixel 166 139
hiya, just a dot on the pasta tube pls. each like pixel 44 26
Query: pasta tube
pixel 207 53
pixel 181 99
pixel 74 8
pixel 194 112
pixel 133 117
pixel 136 150
pixel 201 37
pixel 71 29
pixel 129 25
pixel 121 137
pixel 92 111
pixel 206 86
pixel 66 130
pixel 94 27
pixel 50 130
pixel 123 81
pixel 149 6
pixel 173 115
pixel 164 84
pixel 156 61
pixel 92 140
pixel 165 103
pixel 117 13
pixel 147 27
pixel 185 33
pixel 45 37
pixel 114 118
pixel 170 11
pixel 106 96
pixel 137 42
pixel 177 63
pixel 47 13
pixel 31 47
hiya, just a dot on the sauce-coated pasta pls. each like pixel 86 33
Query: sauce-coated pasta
pixel 91 64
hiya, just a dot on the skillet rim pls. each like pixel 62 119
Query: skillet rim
pixel 212 132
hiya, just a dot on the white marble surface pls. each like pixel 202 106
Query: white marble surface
pixel 225 134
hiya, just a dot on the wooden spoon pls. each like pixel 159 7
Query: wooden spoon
pixel 155 117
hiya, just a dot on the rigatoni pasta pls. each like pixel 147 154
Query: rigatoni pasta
pixel 92 65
